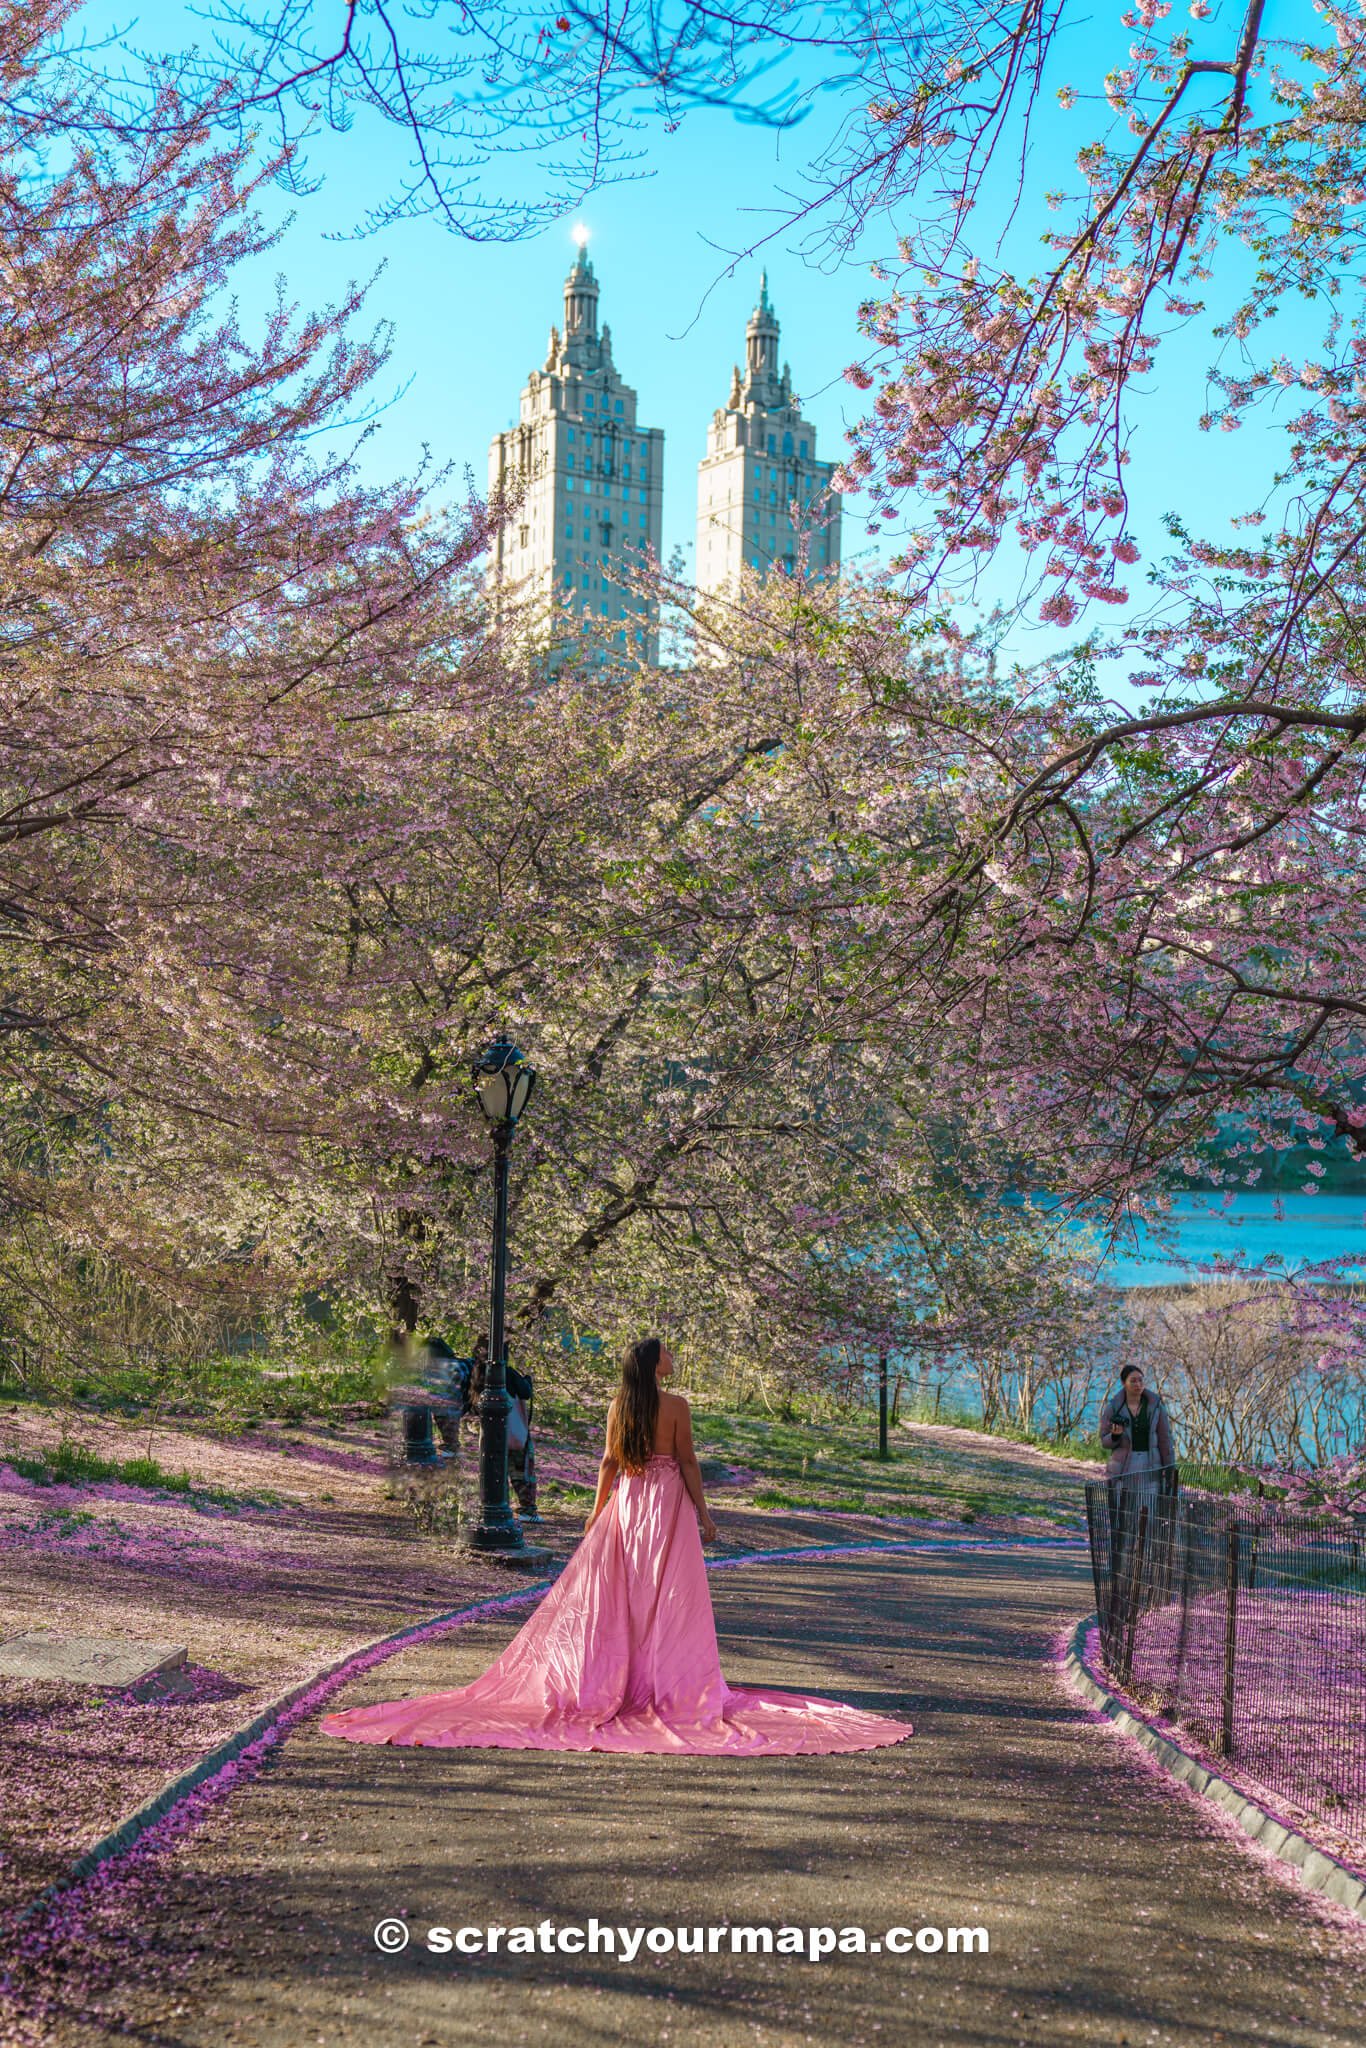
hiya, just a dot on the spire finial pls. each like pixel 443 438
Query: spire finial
pixel 581 307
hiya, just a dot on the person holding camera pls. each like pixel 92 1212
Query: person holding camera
pixel 1135 1433
pixel 1140 1465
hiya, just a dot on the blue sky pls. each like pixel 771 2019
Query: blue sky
pixel 471 319
pixel 474 319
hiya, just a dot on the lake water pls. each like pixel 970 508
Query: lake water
pixel 1277 1234
pixel 1280 1233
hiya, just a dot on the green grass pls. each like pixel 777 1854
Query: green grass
pixel 1086 1447
pixel 568 1491
pixel 822 1455
pixel 817 1455
pixel 828 1458
pixel 842 1503
pixel 567 1422
pixel 1213 1478
pixel 71 1464
pixel 223 1389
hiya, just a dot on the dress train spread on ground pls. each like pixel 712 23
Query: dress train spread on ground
pixel 621 1655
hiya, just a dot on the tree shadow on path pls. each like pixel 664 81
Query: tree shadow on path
pixel 1116 1910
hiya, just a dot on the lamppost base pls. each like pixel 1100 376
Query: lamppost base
pixel 527 1557
pixel 496 1535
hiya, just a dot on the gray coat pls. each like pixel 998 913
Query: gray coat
pixel 1159 1432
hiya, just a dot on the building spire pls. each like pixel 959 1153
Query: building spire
pixel 584 347
pixel 574 546
pixel 581 302
pixel 762 381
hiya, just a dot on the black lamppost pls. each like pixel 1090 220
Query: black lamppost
pixel 503 1080
pixel 882 1450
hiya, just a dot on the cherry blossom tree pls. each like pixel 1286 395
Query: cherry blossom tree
pixel 673 888
pixel 290 826
pixel 836 945
pixel 508 115
pixel 1154 862
pixel 215 639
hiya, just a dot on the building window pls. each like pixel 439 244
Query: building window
pixel 524 535
pixel 787 444
pixel 585 583
pixel 620 406
pixel 588 402
pixel 571 437
pixel 770 444
pixel 802 451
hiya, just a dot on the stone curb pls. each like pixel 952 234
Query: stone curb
pixel 1313 1864
pixel 161 1803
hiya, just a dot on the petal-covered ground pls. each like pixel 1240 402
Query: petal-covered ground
pixel 1011 1809
pixel 1298 1699
pixel 295 1547
pixel 311 1557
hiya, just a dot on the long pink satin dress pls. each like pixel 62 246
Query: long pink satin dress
pixel 621 1655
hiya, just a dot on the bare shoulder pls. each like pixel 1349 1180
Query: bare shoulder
pixel 672 1404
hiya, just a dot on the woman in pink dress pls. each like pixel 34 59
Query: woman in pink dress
pixel 621 1653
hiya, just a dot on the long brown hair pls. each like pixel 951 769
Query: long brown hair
pixel 631 1434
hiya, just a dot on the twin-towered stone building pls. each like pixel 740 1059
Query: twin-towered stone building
pixel 593 477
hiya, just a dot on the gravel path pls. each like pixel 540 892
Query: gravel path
pixel 1118 1912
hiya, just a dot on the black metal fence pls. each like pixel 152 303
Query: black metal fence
pixel 1245 1624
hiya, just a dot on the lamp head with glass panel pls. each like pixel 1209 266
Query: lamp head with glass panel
pixel 503 1079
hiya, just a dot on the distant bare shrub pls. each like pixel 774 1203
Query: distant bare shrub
pixel 1244 1372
